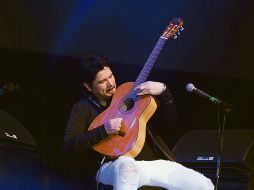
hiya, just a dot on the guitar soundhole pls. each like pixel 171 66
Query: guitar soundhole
pixel 127 104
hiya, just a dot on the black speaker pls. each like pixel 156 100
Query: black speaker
pixel 198 149
pixel 13 132
pixel 201 147
pixel 22 164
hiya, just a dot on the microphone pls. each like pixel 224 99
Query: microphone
pixel 191 88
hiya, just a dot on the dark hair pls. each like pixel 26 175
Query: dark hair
pixel 91 65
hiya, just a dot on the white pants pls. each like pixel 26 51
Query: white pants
pixel 125 173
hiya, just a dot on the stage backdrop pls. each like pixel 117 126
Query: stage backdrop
pixel 218 37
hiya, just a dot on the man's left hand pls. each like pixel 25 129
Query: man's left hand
pixel 151 88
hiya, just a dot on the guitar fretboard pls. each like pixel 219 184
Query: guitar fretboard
pixel 147 67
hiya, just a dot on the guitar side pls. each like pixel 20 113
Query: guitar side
pixel 134 124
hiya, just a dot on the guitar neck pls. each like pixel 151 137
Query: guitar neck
pixel 149 63
pixel 174 26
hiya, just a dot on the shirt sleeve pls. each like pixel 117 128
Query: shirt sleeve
pixel 95 135
pixel 77 138
pixel 166 96
pixel 166 112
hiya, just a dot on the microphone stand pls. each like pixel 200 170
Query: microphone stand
pixel 226 108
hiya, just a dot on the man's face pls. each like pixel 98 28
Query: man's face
pixel 104 85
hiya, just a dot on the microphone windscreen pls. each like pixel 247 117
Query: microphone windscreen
pixel 190 87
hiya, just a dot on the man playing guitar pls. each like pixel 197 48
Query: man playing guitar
pixel 124 171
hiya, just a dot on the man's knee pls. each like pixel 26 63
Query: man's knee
pixel 127 170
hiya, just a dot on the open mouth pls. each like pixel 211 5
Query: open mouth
pixel 111 89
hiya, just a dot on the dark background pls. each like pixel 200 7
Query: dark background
pixel 42 42
pixel 218 37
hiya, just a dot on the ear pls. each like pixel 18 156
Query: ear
pixel 87 86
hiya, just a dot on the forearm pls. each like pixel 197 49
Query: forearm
pixel 95 135
pixel 82 142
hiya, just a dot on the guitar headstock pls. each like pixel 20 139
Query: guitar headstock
pixel 174 28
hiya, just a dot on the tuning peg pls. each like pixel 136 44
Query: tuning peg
pixel 175 36
pixel 178 33
pixel 181 28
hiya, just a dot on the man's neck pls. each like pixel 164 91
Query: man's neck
pixel 102 102
pixel 99 101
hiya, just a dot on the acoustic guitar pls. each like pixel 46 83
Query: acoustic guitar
pixel 133 109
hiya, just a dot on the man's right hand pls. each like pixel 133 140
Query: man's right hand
pixel 113 125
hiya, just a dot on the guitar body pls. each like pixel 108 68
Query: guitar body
pixel 133 126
